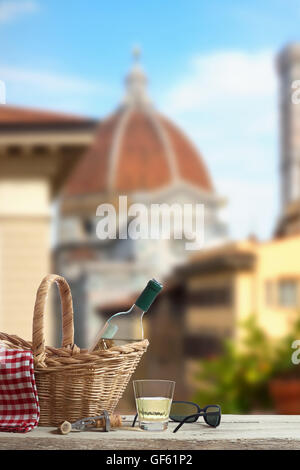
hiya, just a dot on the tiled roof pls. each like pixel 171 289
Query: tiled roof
pixel 16 115
pixel 137 150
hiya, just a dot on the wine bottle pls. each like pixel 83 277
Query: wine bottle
pixel 127 327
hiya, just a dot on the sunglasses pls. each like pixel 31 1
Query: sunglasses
pixel 188 412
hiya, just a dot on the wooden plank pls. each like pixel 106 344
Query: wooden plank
pixel 235 432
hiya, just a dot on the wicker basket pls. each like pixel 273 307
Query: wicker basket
pixel 73 383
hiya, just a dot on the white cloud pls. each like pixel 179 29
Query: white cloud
pixel 48 81
pixel 51 90
pixel 11 10
pixel 227 102
pixel 223 76
pixel 252 206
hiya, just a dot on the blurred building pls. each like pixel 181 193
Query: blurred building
pixel 289 72
pixel 37 152
pixel 209 298
pixel 139 153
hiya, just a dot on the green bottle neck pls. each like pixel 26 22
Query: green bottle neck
pixel 149 294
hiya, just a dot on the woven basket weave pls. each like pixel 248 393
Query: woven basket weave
pixel 73 383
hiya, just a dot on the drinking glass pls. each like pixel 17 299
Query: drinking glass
pixel 153 402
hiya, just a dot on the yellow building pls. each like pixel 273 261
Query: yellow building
pixel 207 299
pixel 225 285
pixel 38 150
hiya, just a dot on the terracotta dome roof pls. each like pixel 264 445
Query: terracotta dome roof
pixel 137 149
pixel 17 115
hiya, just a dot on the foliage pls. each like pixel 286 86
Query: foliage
pixel 238 379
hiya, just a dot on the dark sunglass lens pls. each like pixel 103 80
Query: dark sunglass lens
pixel 212 416
pixel 179 411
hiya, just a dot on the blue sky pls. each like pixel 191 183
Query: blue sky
pixel 210 66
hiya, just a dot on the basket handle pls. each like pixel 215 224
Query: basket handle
pixel 38 337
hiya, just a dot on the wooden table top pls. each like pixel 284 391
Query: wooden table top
pixel 234 432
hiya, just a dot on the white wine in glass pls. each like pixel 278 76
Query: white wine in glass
pixel 153 403
pixel 153 408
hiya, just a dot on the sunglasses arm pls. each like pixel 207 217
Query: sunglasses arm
pixel 185 420
pixel 134 421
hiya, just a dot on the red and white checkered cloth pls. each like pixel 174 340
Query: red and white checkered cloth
pixel 19 406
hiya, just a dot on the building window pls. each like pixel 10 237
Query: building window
pixel 288 293
pixel 202 346
pixel 211 297
pixel 88 226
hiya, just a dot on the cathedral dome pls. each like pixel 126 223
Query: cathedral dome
pixel 137 149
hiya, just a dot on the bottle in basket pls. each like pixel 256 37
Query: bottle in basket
pixel 127 327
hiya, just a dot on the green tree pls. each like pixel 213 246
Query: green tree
pixel 238 379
